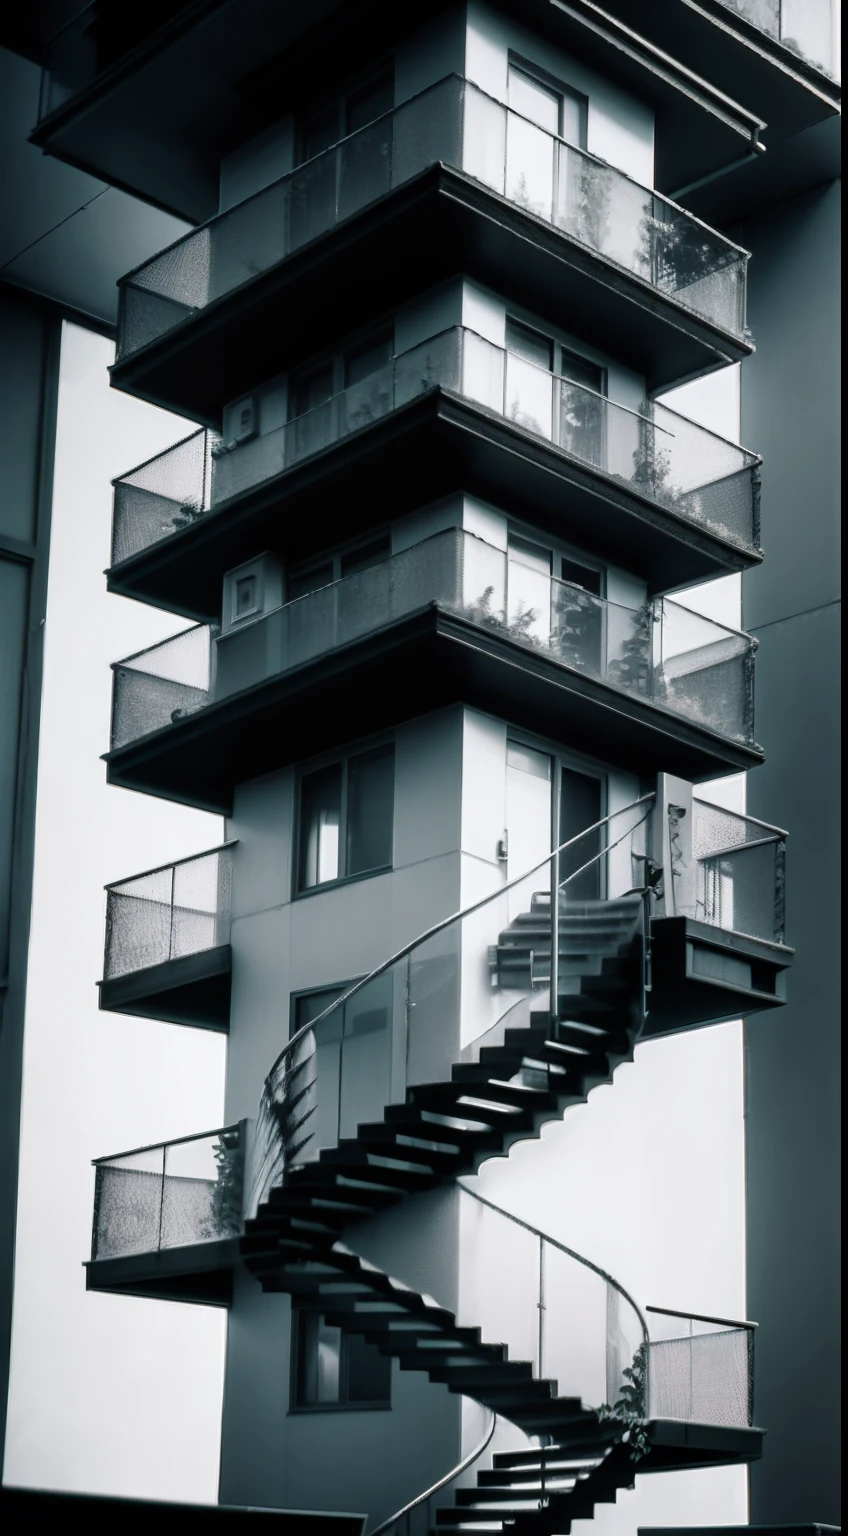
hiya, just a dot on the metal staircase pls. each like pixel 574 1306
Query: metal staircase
pixel 526 1069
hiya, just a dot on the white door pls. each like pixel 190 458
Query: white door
pixel 528 822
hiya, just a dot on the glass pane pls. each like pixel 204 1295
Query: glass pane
pixel 316 131
pixel 528 591
pixel 367 555
pixel 581 575
pixel 318 1355
pixel 320 808
pixel 367 357
pixel 529 396
pixel 371 100
pixel 534 100
pixel 529 166
pixel 575 118
pixel 370 810
pixel 310 581
pixel 366 1056
pixel 532 346
pixel 310 388
pixel 580 807
pixel 368 1373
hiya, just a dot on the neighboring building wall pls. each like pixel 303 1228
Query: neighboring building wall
pixel 29 368
pixel 790 410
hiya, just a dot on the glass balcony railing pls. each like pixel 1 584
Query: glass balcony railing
pixel 660 652
pixel 728 870
pixel 181 909
pixel 807 27
pixel 455 123
pixel 169 1195
pixel 654 452
pixel 700 1369
pixel 95 39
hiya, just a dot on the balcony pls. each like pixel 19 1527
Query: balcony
pixel 780 60
pixel 720 924
pixel 452 618
pixel 449 181
pixel 700 1390
pixel 167 1218
pixel 109 64
pixel 678 503
pixel 168 942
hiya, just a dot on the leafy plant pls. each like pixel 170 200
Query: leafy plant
pixel 185 517
pixel 518 627
pixel 652 464
pixel 228 1153
pixel 633 669
pixel 630 1408
pixel 577 628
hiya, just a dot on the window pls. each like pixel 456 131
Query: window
pixel 346 817
pixel 310 575
pixel 316 383
pixel 354 108
pixel 548 104
pixel 556 393
pixel 332 1369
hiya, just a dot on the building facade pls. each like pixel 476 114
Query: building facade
pixel 458 678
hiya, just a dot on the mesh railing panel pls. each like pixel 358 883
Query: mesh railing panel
pixel 455 123
pixel 180 910
pixel 705 671
pixel 740 872
pixel 700 1372
pixel 658 454
pixel 182 1192
pixel 162 496
pixel 161 685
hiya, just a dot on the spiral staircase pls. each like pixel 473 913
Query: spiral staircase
pixel 530 1068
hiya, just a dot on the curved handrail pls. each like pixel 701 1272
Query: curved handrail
pixel 476 906
pixel 257 1183
pixel 580 1258
pixel 461 1466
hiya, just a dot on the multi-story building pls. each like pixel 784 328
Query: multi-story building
pixel 435 532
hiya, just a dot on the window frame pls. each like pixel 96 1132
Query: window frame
pixel 339 99
pixel 344 1404
pixel 336 557
pixel 315 765
pixel 335 358
pixel 557 87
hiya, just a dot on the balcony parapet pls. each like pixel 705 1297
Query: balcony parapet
pixel 167 1217
pixel 654 454
pixel 167 953
pixel 806 31
pixel 455 124
pixel 675 660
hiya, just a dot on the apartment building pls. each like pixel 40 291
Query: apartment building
pixel 461 674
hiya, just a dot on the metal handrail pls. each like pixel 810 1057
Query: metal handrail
pixel 596 1268
pixel 740 815
pixel 176 1141
pixel 461 1466
pixel 445 922
pixel 190 858
pixel 700 1317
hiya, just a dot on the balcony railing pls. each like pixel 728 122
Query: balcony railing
pixel 654 452
pixel 169 1195
pixel 729 872
pixel 162 684
pixel 660 652
pixel 804 26
pixel 181 909
pixel 455 123
pixel 701 1369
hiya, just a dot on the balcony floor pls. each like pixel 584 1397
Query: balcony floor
pixel 192 989
pixel 200 1272
pixel 438 444
pixel 677 1446
pixel 437 225
pixel 705 975
pixel 425 662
